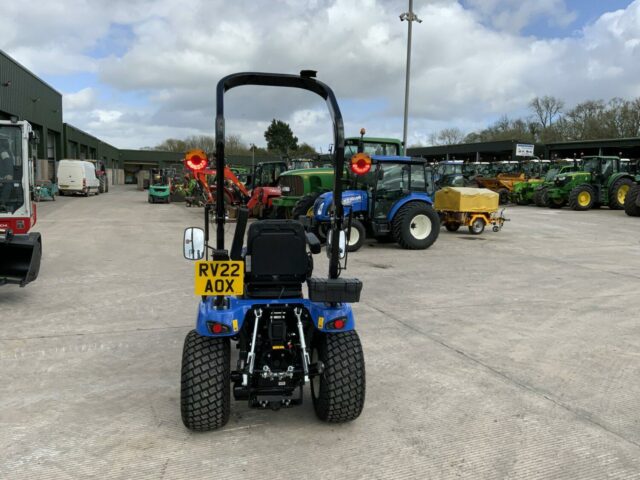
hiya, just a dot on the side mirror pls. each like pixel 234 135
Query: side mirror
pixel 342 243
pixel 194 247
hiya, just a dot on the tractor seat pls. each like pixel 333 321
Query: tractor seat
pixel 276 261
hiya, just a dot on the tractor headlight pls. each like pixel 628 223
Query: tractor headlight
pixel 319 209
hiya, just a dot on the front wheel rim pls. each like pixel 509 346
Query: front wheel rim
pixel 622 193
pixel 584 198
pixel 420 227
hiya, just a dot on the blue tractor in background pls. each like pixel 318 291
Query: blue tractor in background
pixel 388 199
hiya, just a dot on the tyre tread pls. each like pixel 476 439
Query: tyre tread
pixel 342 399
pixel 205 383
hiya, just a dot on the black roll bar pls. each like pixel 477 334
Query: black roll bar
pixel 305 81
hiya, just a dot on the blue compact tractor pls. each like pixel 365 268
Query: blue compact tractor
pixel 252 296
pixel 388 200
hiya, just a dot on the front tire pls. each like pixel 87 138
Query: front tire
pixel 416 226
pixel 540 197
pixel 581 198
pixel 357 236
pixel 338 393
pixel 632 202
pixel 205 386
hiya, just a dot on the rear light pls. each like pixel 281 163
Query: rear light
pixel 196 160
pixel 217 328
pixel 360 163
pixel 336 324
pixel 84 182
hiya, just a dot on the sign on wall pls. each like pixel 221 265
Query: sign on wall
pixel 524 150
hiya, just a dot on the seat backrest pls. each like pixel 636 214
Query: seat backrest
pixel 277 252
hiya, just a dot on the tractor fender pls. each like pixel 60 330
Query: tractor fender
pixel 617 176
pixel 412 197
pixel 352 201
pixel 483 216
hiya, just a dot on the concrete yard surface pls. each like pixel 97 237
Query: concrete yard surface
pixel 507 355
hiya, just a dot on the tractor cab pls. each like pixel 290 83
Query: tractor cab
pixel 601 168
pixel 266 174
pixel 535 168
pixel 449 174
pixel 20 249
pixel 372 146
pixel 470 170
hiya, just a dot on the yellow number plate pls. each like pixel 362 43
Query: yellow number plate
pixel 222 277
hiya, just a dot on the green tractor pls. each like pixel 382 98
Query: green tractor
pixel 301 187
pixel 159 186
pixel 599 182
pixel 535 173
pixel 540 197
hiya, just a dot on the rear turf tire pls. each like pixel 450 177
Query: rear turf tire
pixel 338 393
pixel 205 386
pixel 632 202
pixel 582 198
pixel 357 236
pixel 416 226
pixel 619 192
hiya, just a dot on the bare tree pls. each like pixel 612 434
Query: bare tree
pixel 546 109
pixel 172 145
pixel 447 136
pixel 233 144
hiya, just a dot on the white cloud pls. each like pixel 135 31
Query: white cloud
pixel 468 65
pixel 81 100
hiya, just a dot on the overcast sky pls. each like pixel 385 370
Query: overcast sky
pixel 135 72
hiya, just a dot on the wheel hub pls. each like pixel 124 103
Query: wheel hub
pixel 420 227
pixel 354 236
pixel 622 193
pixel 584 198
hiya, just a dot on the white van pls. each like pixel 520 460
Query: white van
pixel 77 176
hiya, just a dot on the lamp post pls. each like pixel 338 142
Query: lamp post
pixel 410 17
pixel 253 156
